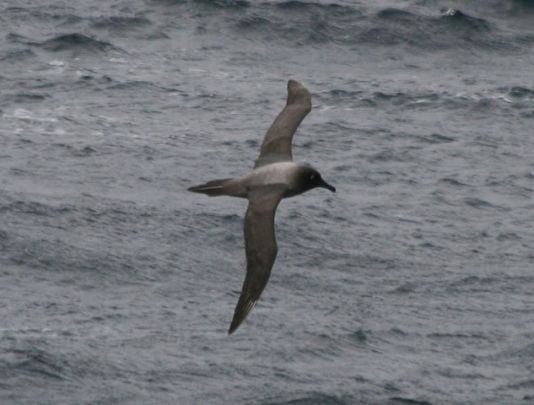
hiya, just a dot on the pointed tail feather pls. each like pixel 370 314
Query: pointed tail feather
pixel 212 188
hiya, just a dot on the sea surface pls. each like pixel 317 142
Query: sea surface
pixel 413 284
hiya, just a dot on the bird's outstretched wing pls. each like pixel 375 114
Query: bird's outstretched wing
pixel 260 247
pixel 276 146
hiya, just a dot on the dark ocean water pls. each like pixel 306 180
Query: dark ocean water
pixel 414 284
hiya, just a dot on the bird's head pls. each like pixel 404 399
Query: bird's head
pixel 311 178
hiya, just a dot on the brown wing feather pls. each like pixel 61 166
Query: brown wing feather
pixel 261 249
pixel 276 145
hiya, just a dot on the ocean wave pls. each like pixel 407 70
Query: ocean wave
pixel 332 9
pixel 452 182
pixel 478 203
pixel 518 97
pixel 14 38
pixel 232 4
pixel 82 152
pixel 77 43
pixel 300 22
pixel 35 208
pixel 36 361
pixel 313 398
pixel 519 92
pixel 23 98
pixel 119 23
pixel 17 55
pixel 449 29
pixel 407 401
pixel 308 23
pixel 316 23
pixel 137 85
pixel 459 19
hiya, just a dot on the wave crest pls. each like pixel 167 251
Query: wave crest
pixel 76 42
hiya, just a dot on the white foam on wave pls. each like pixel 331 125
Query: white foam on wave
pixel 58 63
pixel 23 114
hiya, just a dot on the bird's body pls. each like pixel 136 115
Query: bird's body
pixel 274 177
pixel 274 173
pixel 285 175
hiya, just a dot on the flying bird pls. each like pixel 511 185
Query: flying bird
pixel 275 176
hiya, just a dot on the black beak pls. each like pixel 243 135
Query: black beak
pixel 324 184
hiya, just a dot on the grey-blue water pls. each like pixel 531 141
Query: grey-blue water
pixel 414 284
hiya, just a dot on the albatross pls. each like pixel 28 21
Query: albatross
pixel 275 176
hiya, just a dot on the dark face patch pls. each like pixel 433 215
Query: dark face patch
pixel 313 179
pixel 310 178
pixel 307 179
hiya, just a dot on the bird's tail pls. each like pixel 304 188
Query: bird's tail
pixel 214 188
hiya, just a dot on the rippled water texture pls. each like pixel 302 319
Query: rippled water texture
pixel 412 285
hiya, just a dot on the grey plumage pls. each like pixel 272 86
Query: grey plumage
pixel 261 250
pixel 275 176
pixel 276 146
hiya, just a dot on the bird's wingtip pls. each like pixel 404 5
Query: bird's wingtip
pixel 243 308
pixel 297 93
pixel 293 85
pixel 236 321
pixel 235 324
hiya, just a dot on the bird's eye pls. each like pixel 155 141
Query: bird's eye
pixel 312 177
